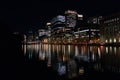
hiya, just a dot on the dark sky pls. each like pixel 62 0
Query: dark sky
pixel 27 15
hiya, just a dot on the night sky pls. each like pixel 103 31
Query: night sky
pixel 31 15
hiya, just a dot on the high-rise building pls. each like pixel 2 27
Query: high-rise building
pixel 57 24
pixel 58 18
pixel 93 24
pixel 89 32
pixel 63 27
pixel 71 18
pixel 57 28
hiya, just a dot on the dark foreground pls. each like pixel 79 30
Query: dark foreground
pixel 14 66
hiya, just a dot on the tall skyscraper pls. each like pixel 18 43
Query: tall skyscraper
pixel 71 18
pixel 57 24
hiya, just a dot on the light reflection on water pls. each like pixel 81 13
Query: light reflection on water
pixel 70 59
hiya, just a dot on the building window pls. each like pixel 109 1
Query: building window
pixel 114 40
pixel 106 41
pixel 110 40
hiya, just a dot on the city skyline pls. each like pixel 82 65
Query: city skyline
pixel 24 16
pixel 82 43
pixel 70 28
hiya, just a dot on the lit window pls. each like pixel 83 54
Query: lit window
pixel 114 40
pixel 106 41
pixel 110 40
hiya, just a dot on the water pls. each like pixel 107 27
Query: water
pixel 75 61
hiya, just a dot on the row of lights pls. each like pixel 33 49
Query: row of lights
pixel 110 40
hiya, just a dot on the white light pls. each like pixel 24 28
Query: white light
pixel 99 52
pixel 90 30
pixel 48 23
pixel 106 41
pixel 106 49
pixel 110 40
pixel 84 30
pixel 80 15
pixel 114 40
pixel 76 51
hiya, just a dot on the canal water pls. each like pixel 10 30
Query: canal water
pixel 76 61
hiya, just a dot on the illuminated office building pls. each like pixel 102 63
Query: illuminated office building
pixel 89 32
pixel 110 28
pixel 71 18
pixel 57 24
pixel 57 28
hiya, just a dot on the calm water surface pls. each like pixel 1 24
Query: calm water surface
pixel 76 60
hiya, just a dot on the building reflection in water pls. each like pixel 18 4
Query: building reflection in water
pixel 71 60
pixel 49 56
pixel 106 49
